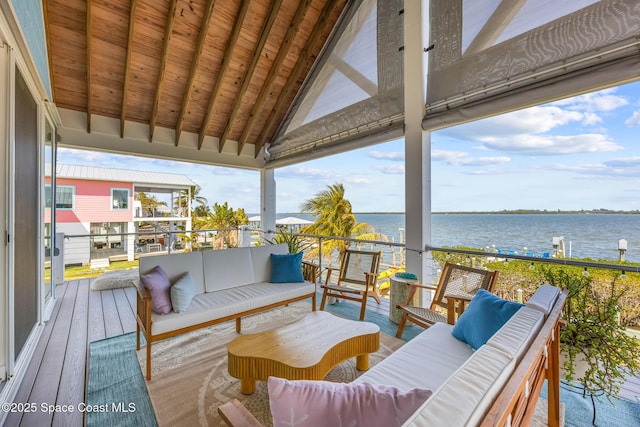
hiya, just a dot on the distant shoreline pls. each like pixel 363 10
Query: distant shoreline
pixel 502 212
pixel 519 212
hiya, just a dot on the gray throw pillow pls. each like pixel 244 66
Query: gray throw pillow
pixel 182 292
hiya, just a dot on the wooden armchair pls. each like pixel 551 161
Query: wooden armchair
pixel 458 282
pixel 357 279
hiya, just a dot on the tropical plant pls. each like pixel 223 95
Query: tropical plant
pixel 224 218
pixel 593 334
pixel 334 217
pixel 181 203
pixel 149 203
pixel 294 242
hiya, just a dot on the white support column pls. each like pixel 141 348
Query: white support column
pixel 267 204
pixel 417 142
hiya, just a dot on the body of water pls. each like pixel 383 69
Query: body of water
pixel 586 235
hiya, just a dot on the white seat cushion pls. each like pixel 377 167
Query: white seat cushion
pixel 544 299
pixel 468 394
pixel 424 362
pixel 518 333
pixel 261 260
pixel 175 265
pixel 227 268
pixel 227 302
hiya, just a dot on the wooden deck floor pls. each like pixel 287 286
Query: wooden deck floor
pixel 57 372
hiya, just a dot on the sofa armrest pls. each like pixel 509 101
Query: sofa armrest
pixel 236 415
pixel 310 271
pixel 143 292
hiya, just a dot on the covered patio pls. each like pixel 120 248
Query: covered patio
pixel 255 85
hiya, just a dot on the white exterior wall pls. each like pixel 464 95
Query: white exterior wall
pixel 77 250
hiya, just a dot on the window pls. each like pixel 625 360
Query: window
pixel 65 196
pixel 119 198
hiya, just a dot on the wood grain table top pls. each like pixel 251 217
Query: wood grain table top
pixel 304 343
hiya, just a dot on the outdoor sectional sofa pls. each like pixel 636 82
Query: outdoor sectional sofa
pixel 229 284
pixel 496 385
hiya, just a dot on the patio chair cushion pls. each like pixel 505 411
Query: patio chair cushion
pixel 286 268
pixel 182 292
pixel 157 283
pixel 325 403
pixel 486 314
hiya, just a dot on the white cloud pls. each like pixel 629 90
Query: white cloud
pixel 393 155
pixel 356 180
pixel 634 120
pixel 390 169
pixel 461 158
pixel 604 101
pixel 535 120
pixel 552 144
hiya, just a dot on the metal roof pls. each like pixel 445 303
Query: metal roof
pixel 122 175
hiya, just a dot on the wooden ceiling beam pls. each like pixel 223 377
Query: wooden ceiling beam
pixel 246 79
pixel 127 67
pixel 88 66
pixel 226 61
pixel 202 36
pixel 299 15
pixel 303 60
pixel 168 31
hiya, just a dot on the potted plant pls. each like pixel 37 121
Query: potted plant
pixel 593 336
pixel 293 241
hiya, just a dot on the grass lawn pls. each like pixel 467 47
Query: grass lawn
pixel 83 272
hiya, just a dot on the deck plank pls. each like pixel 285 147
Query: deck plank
pixel 127 318
pixel 72 384
pixel 131 296
pixel 24 391
pixel 46 385
pixel 95 321
pixel 112 324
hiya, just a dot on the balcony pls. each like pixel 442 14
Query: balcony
pixel 57 373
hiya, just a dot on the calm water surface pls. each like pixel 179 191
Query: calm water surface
pixel 586 235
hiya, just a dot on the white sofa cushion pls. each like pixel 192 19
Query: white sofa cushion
pixel 227 268
pixel 227 302
pixel 261 260
pixel 518 333
pixel 544 299
pixel 424 362
pixel 468 393
pixel 175 265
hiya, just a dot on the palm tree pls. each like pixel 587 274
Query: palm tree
pixel 181 201
pixel 334 217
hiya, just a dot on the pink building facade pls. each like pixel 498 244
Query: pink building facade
pixel 100 218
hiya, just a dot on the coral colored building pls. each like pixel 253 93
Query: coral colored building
pixel 97 205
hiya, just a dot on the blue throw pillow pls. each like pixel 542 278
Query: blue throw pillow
pixel 286 268
pixel 182 292
pixel 484 316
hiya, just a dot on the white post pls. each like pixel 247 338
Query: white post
pixel 417 143
pixel 267 204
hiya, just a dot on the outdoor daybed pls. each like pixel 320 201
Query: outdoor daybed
pixel 496 385
pixel 224 285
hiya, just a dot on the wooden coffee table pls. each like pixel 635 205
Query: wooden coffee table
pixel 307 349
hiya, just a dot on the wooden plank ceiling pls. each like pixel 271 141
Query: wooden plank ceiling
pixel 228 69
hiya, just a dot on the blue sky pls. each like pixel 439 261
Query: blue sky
pixel 578 153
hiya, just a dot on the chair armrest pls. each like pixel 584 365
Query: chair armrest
pixel 430 287
pixel 453 301
pixel 143 292
pixel 236 415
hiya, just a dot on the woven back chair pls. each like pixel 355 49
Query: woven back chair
pixel 458 280
pixel 357 279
